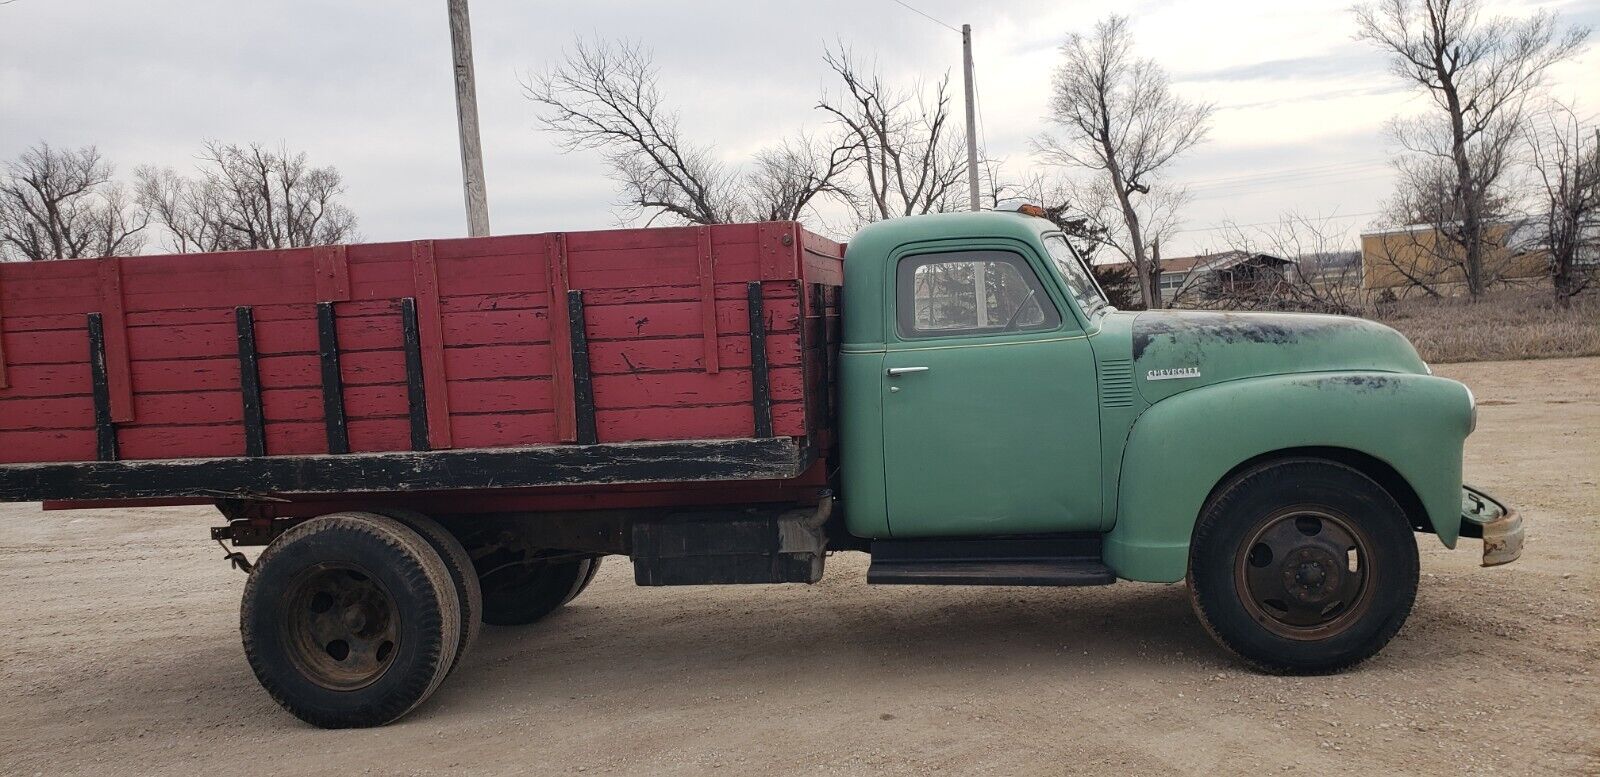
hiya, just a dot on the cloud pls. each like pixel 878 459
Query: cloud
pixel 1341 64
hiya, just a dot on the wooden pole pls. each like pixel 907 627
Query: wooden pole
pixel 477 198
pixel 972 114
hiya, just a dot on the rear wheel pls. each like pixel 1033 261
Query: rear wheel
pixel 521 581
pixel 462 573
pixel 350 620
pixel 1303 566
pixel 522 593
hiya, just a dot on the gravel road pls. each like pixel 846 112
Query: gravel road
pixel 119 654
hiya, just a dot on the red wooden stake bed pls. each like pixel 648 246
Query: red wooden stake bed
pixel 554 371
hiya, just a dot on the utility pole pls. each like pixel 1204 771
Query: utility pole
pixel 467 121
pixel 972 114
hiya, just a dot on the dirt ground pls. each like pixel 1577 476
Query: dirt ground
pixel 119 654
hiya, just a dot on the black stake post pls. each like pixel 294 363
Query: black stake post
pixel 760 387
pixel 255 436
pixel 105 431
pixel 416 393
pixel 582 380
pixel 332 380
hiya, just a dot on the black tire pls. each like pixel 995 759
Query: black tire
pixel 526 593
pixel 380 582
pixel 594 569
pixel 462 573
pixel 1303 566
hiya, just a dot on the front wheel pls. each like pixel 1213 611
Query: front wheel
pixel 1303 566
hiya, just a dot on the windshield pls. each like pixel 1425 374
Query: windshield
pixel 1079 281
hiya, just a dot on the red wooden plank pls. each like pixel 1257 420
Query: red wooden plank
pixel 658 355
pixel 789 419
pixel 689 389
pixel 301 371
pixel 332 267
pixel 305 404
pixel 666 423
pixel 15 323
pixel 119 374
pixel 682 319
pixel 519 395
pixel 823 268
pixel 708 300
pixel 47 445
pixel 498 245
pixel 167 442
pixel 382 434
pixel 566 411
pixel 495 327
pixel 430 331
pixel 499 361
pixel 489 431
pixel 48 413
pixel 46 380
pixel 297 438
pixel 195 407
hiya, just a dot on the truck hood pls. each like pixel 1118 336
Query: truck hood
pixel 1174 350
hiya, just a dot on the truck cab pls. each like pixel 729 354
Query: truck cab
pixel 1279 462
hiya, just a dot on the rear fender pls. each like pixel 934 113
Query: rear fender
pixel 1180 449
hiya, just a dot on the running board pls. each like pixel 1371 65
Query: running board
pixel 1073 560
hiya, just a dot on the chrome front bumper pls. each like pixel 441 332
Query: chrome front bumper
pixel 1499 526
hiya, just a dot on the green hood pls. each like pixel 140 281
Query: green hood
pixel 1174 351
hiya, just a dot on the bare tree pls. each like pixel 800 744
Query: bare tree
pixel 1480 74
pixel 1565 157
pixel 1120 119
pixel 605 97
pixel 62 204
pixel 786 179
pixel 1324 277
pixel 906 157
pixel 248 197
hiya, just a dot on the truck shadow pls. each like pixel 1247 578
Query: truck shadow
pixel 718 636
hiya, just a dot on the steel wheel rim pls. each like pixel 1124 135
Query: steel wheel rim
pixel 1306 573
pixel 343 627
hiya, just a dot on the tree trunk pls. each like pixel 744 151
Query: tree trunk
pixel 1155 273
pixel 1466 193
pixel 1141 263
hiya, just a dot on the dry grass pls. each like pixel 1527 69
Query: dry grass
pixel 1508 324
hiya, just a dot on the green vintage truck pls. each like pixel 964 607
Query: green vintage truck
pixel 431 435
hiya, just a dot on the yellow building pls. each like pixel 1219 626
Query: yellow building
pixel 1398 259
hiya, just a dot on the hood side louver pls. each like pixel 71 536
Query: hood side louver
pixel 1116 383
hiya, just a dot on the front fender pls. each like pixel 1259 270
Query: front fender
pixel 1182 447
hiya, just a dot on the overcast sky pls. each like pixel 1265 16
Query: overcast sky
pixel 365 85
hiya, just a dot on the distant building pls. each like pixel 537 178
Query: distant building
pixel 1400 258
pixel 1228 272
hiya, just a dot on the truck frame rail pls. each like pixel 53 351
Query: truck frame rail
pixel 243 477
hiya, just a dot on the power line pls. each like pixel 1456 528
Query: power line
pixel 1308 169
pixel 918 12
pixel 1328 182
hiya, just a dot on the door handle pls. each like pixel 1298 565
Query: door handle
pixel 893 371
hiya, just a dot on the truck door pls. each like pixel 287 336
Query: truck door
pixel 990 418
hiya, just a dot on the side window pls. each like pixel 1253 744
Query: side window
pixel 975 292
